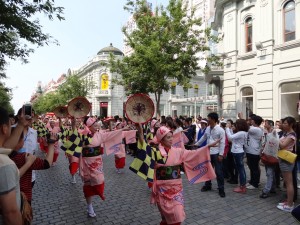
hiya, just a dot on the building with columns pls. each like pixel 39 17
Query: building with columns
pixel 261 51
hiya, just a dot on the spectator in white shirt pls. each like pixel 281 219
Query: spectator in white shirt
pixel 237 149
pixel 213 133
pixel 253 151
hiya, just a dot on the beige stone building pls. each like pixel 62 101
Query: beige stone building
pixel 261 51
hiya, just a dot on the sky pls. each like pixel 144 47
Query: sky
pixel 88 27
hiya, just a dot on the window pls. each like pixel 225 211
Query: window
pixel 173 88
pixel 248 28
pixel 247 101
pixel 289 21
pixel 212 89
pixel 185 92
pixel 290 99
pixel 196 90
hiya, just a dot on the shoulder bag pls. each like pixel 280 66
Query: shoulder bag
pixel 287 156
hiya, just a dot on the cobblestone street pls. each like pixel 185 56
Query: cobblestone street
pixel 57 201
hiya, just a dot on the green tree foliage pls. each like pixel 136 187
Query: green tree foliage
pixel 165 46
pixel 73 87
pixel 47 102
pixel 5 97
pixel 19 27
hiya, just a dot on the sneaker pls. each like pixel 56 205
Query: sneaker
pixel 285 207
pixel 282 203
pixel 91 214
pixel 251 187
pixel 205 188
pixel 264 195
pixel 298 186
pixel 240 189
pixel 119 171
pixel 181 172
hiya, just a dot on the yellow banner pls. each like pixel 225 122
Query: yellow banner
pixel 104 82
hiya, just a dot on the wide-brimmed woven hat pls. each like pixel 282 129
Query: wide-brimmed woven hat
pixel 139 108
pixel 79 107
pixel 61 111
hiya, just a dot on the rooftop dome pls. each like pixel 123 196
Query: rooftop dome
pixel 110 49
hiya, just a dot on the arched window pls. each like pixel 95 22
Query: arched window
pixel 248 29
pixel 289 25
pixel 173 88
pixel 196 90
pixel 247 101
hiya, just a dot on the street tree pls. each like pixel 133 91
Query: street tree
pixel 73 86
pixel 47 102
pixel 5 97
pixel 19 28
pixel 166 45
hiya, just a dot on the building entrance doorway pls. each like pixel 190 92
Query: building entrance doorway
pixel 103 109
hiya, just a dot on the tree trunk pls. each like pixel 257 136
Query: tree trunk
pixel 157 99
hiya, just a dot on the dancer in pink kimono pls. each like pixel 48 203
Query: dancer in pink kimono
pixel 162 166
pixel 91 164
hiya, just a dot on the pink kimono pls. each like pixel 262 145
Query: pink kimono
pixel 167 190
pixel 91 164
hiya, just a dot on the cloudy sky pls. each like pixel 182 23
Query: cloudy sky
pixel 89 26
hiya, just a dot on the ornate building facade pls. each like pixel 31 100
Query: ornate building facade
pixel 106 98
pixel 260 47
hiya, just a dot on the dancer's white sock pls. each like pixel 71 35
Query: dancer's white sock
pixel 90 208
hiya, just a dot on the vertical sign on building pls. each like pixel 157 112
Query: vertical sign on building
pixel 104 84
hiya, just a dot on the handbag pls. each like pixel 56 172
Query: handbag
pixel 287 156
pixel 26 210
pixel 268 160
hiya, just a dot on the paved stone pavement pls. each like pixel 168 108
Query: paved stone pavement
pixel 57 201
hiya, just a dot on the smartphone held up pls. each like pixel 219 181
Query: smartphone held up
pixel 27 110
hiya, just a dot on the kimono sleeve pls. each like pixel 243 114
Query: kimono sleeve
pixel 73 144
pixel 197 165
pixel 143 164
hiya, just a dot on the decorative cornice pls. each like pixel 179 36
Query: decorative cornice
pixel 287 45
